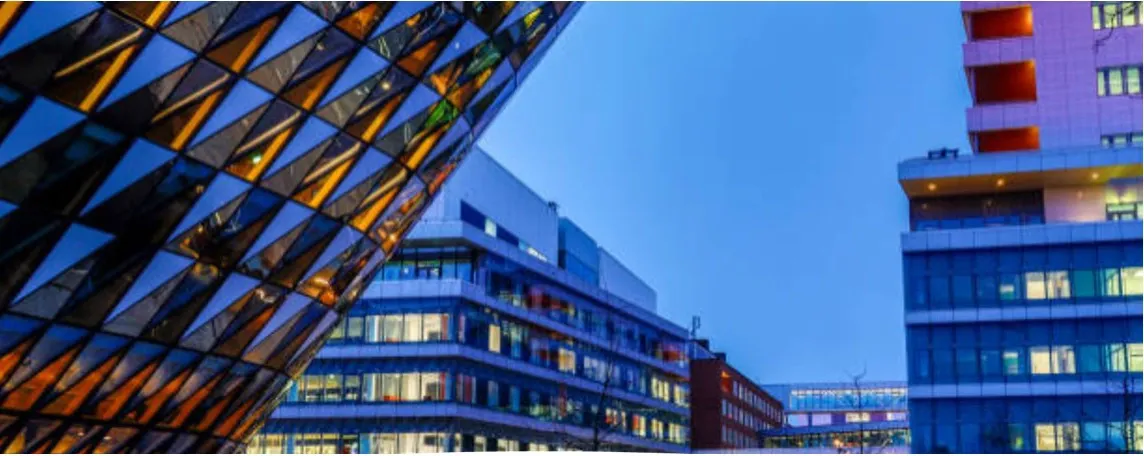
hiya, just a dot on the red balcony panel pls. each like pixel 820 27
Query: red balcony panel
pixel 1001 23
pixel 1028 138
pixel 1005 83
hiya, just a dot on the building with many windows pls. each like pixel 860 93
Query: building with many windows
pixel 727 409
pixel 480 335
pixel 867 417
pixel 193 193
pixel 1022 264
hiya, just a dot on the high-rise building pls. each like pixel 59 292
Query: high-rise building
pixel 480 335
pixel 855 417
pixel 193 193
pixel 1022 264
pixel 728 409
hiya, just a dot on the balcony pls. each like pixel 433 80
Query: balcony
pixel 999 23
pixel 1004 83
pixel 1007 140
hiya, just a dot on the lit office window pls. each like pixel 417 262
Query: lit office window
pixel 1136 357
pixel 862 417
pixel 1035 285
pixel 494 338
pixel 1132 280
pixel 1040 360
pixel 1115 358
pixel 1118 81
pixel 1106 15
pixel 1063 359
pixel 1057 284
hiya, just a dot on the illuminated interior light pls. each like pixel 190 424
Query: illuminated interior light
pixel 932 186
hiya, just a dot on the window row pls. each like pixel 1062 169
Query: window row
pixel 570 407
pixel 848 398
pixel 828 419
pixel 387 443
pixel 370 387
pixel 538 346
pixel 841 440
pixel 737 439
pixel 1107 15
pixel 971 364
pixel 1118 81
pixel 517 340
pixel 521 289
pixel 430 264
pixel 1023 259
pixel 1022 289
pixel 742 416
pixel 1121 140
pixel 1039 437
pixel 1025 333
pixel 753 399
pixel 393 328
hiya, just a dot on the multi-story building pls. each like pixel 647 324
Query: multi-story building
pixel 727 409
pixel 1022 264
pixel 864 417
pixel 192 193
pixel 498 326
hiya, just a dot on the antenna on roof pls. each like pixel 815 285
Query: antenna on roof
pixel 552 205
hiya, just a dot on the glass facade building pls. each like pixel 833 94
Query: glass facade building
pixel 870 417
pixel 193 193
pixel 1022 267
pixel 474 338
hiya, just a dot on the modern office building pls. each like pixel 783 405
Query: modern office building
pixel 1022 264
pixel 867 417
pixel 192 193
pixel 481 335
pixel 727 409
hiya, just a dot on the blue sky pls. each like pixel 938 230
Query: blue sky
pixel 741 158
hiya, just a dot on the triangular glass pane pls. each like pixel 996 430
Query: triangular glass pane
pixel 164 266
pixel 159 57
pixel 183 9
pixel 363 65
pixel 142 158
pixel 101 347
pixel 235 286
pixel 243 97
pixel 400 12
pixel 196 30
pixel 422 97
pixel 75 244
pixel 293 304
pixel 313 132
pixel 43 120
pixel 288 217
pixel 301 23
pixel 518 13
pixel 370 162
pixel 467 38
pixel 42 18
pixel 224 189
pixel 55 341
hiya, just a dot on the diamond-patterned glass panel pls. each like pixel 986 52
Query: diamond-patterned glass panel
pixel 192 193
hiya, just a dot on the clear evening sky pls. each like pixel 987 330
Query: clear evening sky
pixel 741 158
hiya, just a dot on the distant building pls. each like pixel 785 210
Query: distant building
pixel 477 337
pixel 832 417
pixel 727 409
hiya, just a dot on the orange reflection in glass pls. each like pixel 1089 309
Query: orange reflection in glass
pixel 238 52
pixel 26 394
